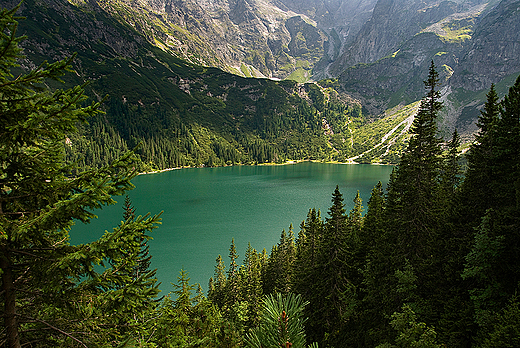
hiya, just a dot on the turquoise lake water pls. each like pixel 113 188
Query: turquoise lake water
pixel 204 208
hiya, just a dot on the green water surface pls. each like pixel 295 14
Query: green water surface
pixel 204 208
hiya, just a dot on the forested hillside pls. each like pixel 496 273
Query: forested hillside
pixel 431 262
pixel 182 114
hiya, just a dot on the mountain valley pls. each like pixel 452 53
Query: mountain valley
pixel 178 73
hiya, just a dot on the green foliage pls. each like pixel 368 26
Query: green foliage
pixel 410 332
pixel 431 247
pixel 54 293
pixel 278 275
pixel 185 319
pixel 282 323
pixel 479 265
pixel 506 327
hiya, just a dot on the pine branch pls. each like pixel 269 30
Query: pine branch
pixel 58 330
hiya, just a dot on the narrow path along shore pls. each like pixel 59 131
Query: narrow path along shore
pixel 349 161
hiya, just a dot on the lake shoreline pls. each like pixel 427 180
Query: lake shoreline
pixel 290 162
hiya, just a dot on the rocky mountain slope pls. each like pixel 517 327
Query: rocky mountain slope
pixel 259 38
pixel 473 44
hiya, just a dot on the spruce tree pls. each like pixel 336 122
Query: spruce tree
pixel 417 176
pixel 252 285
pixel 355 217
pixel 280 266
pixel 377 301
pixel 506 167
pixel 491 262
pixel 52 293
pixel 413 212
pixel 128 209
pixel 373 222
pixel 451 176
pixel 144 258
pixel 413 200
pixel 478 193
pixel 306 277
pixel 217 287
pixel 233 290
pixel 330 300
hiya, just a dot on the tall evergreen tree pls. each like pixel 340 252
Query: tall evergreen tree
pixel 185 319
pixel 217 286
pixel 414 204
pixel 491 262
pixel 252 285
pixel 377 301
pixel 414 210
pixel 452 173
pixel 306 279
pixel 144 258
pixel 280 266
pixel 51 292
pixel 478 195
pixel 373 222
pixel 355 217
pixel 330 300
pixel 417 177
pixel 233 277
pixel 506 183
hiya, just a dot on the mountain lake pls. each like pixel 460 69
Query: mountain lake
pixel 205 208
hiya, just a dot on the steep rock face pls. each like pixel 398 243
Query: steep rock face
pixel 392 23
pixel 246 37
pixel 398 79
pixel 494 51
pixel 472 44
pixel 242 36
pixel 342 18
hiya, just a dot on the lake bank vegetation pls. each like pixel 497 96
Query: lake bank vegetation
pixel 432 261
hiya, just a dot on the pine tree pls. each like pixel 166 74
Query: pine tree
pixel 144 258
pixel 355 217
pixel 233 277
pixel 282 323
pixel 216 293
pixel 252 285
pixel 413 213
pixel 490 264
pixel 478 195
pixel 185 319
pixel 413 195
pixel 280 266
pixel 331 298
pixel 377 302
pixel 373 223
pixel 311 231
pixel 417 176
pixel 128 209
pixel 506 166
pixel 452 173
pixel 51 292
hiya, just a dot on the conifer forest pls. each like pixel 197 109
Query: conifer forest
pixel 431 260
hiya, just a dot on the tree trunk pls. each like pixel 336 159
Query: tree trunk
pixel 10 322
